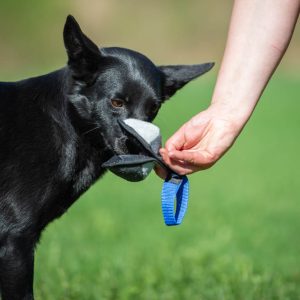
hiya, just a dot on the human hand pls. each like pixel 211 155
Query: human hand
pixel 201 142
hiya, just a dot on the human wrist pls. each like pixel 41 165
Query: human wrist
pixel 236 107
pixel 235 114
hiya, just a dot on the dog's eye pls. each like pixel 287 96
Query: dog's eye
pixel 117 103
pixel 154 108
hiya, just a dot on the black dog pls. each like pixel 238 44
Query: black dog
pixel 56 131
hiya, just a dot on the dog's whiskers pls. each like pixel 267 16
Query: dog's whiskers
pixel 95 128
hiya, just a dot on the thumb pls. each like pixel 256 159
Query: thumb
pixel 176 141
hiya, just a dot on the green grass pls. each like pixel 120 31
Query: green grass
pixel 240 238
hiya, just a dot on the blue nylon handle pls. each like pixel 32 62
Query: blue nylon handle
pixel 174 188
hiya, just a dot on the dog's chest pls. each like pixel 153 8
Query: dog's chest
pixel 84 177
pixel 84 169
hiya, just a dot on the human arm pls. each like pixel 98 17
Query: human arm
pixel 259 34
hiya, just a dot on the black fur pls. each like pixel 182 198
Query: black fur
pixel 56 131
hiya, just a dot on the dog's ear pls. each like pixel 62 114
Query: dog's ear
pixel 83 55
pixel 175 77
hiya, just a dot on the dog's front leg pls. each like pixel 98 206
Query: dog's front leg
pixel 16 268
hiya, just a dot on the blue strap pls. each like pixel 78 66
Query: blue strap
pixel 174 188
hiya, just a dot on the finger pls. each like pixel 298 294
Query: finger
pixel 197 158
pixel 183 168
pixel 178 166
pixel 161 172
pixel 164 154
pixel 176 141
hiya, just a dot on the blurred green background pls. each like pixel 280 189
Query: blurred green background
pixel 240 238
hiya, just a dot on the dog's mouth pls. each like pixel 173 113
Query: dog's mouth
pixel 127 145
pixel 138 138
pixel 137 151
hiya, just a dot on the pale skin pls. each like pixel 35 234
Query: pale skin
pixel 259 34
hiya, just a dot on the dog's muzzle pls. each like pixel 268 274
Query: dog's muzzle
pixel 135 167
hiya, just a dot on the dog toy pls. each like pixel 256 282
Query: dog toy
pixel 136 167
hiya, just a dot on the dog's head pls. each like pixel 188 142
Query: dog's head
pixel 112 84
